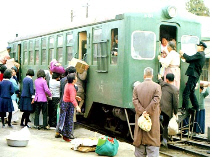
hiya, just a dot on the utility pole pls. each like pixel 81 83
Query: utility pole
pixel 71 15
pixel 86 10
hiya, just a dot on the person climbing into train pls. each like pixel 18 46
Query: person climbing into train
pixel 81 79
pixel 196 63
pixel 168 103
pixel 171 63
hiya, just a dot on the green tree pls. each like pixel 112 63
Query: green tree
pixel 197 7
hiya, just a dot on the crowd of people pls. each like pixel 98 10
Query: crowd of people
pixel 57 88
pixel 64 88
pixel 160 101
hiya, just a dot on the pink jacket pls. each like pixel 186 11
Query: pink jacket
pixel 41 89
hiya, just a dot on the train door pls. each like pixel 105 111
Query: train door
pixel 82 45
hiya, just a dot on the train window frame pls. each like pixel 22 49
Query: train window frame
pixel 187 48
pixel 59 48
pixel 13 51
pixel 31 52
pixel 37 48
pixel 69 44
pixel 113 58
pixel 25 52
pixel 133 54
pixel 51 44
pixel 43 49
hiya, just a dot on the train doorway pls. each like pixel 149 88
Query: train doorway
pixel 82 46
pixel 168 32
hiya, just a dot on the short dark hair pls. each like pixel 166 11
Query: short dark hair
pixel 3 68
pixel 201 87
pixel 30 72
pixel 70 69
pixel 170 77
pixel 71 77
pixel 7 74
pixel 41 73
pixel 55 75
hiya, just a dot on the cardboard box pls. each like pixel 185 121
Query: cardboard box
pixel 78 64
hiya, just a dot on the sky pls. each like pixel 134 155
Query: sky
pixel 28 17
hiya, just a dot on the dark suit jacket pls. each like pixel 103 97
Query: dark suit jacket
pixel 169 99
pixel 197 62
pixel 28 89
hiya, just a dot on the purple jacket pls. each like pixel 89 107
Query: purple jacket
pixel 41 89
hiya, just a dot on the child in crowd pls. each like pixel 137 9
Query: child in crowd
pixel 54 86
pixel 6 91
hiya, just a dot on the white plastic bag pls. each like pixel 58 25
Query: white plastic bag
pixel 145 123
pixel 173 126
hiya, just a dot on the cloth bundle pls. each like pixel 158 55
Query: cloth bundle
pixel 173 126
pixel 107 146
pixel 144 122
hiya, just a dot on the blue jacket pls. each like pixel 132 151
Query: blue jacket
pixel 28 89
pixel 6 89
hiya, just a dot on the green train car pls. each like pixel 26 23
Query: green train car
pixel 110 80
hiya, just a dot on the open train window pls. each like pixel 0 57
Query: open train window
pixel 143 45
pixel 114 46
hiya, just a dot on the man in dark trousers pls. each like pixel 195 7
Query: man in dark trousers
pixel 168 103
pixel 196 63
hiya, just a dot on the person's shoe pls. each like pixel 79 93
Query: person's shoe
pixel 10 126
pixel 22 125
pixel 164 143
pixel 28 126
pixel 184 115
pixel 47 128
pixel 3 126
pixel 66 139
pixel 72 136
pixel 58 135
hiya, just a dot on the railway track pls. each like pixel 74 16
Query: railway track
pixel 197 147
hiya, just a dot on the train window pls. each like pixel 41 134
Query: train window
pixel 97 35
pixel 37 57
pixel 60 41
pixel 37 51
pixel 43 55
pixel 37 44
pixel 102 57
pixel 114 46
pixel 31 56
pixel 143 45
pixel 96 48
pixel 25 53
pixel 51 42
pixel 70 53
pixel 51 55
pixel 70 38
pixel 188 44
pixel 60 55
pixel 13 51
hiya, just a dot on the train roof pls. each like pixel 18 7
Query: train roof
pixel 184 16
